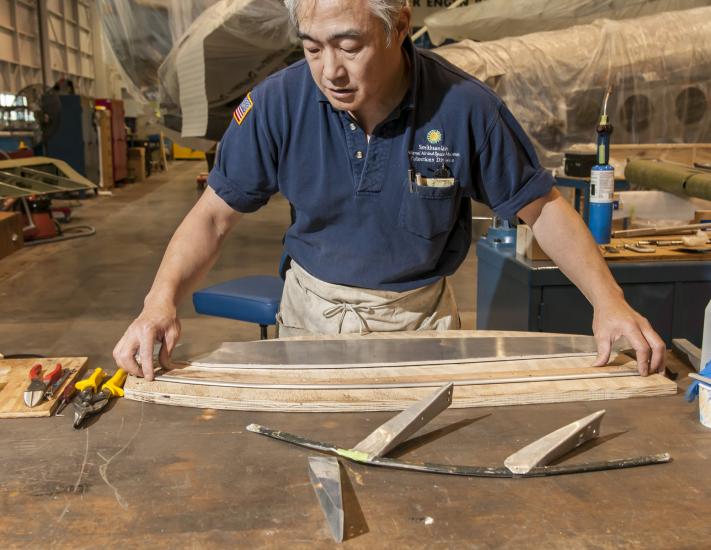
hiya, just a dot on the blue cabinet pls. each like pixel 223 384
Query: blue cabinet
pixel 514 293
pixel 75 141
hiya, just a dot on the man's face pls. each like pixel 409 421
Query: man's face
pixel 346 49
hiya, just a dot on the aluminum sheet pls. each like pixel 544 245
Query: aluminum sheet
pixel 360 353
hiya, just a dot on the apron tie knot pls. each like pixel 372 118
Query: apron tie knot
pixel 343 308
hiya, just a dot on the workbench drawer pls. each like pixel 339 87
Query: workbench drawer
pixel 10 233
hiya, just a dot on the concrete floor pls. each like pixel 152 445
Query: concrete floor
pixel 76 298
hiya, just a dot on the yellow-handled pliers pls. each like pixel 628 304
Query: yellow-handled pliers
pixel 90 400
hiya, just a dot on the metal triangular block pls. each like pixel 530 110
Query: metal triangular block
pixel 556 444
pixel 325 476
pixel 400 427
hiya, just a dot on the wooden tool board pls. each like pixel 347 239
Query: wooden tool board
pixel 468 392
pixel 660 254
pixel 14 379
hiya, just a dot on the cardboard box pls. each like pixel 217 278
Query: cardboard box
pixel 11 238
pixel 137 163
pixel 527 245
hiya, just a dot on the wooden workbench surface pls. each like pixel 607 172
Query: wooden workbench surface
pixel 155 476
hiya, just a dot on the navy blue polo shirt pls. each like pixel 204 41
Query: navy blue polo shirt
pixel 359 222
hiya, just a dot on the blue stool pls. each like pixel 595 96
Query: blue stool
pixel 252 299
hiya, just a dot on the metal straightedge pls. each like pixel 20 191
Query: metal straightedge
pixel 373 352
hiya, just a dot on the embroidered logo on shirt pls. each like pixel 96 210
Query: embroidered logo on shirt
pixel 434 137
pixel 244 108
pixel 434 150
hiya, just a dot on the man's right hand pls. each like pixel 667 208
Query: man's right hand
pixel 154 324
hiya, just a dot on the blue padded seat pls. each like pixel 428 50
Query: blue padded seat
pixel 252 299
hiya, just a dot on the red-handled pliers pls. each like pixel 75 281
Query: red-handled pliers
pixel 38 384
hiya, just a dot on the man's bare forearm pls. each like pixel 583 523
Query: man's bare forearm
pixel 561 233
pixel 192 250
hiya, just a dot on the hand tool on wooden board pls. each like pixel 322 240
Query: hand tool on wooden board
pixel 14 380
pixel 51 390
pixel 39 384
pixel 663 242
pixel 639 248
pixel 89 401
pixel 532 461
pixel 65 398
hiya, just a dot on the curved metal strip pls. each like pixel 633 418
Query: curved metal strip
pixel 469 471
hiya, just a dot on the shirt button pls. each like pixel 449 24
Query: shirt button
pixel 359 155
pixel 353 126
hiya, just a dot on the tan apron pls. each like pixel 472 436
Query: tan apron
pixel 311 306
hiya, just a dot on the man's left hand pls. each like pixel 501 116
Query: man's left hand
pixel 614 319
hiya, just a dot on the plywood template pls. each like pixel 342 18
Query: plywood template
pixel 14 380
pixel 396 387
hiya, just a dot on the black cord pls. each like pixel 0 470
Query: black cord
pixel 74 232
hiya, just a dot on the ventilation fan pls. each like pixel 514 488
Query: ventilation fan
pixel 44 104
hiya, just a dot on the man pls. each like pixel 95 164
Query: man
pixel 378 147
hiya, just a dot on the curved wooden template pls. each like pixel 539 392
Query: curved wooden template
pixel 394 385
pixel 493 395
pixel 397 399
pixel 395 375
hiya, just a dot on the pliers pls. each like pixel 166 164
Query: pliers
pixel 90 400
pixel 40 385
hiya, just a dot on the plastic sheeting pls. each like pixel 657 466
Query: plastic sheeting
pixel 496 19
pixel 141 33
pixel 139 36
pixel 554 82
pixel 222 55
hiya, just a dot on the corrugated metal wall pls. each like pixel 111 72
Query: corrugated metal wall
pixel 69 45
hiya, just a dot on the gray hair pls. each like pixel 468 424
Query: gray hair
pixel 385 10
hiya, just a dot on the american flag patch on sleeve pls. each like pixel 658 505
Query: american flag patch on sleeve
pixel 244 108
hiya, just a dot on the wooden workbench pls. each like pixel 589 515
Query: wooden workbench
pixel 155 476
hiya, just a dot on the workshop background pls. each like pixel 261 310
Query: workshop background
pixel 111 112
